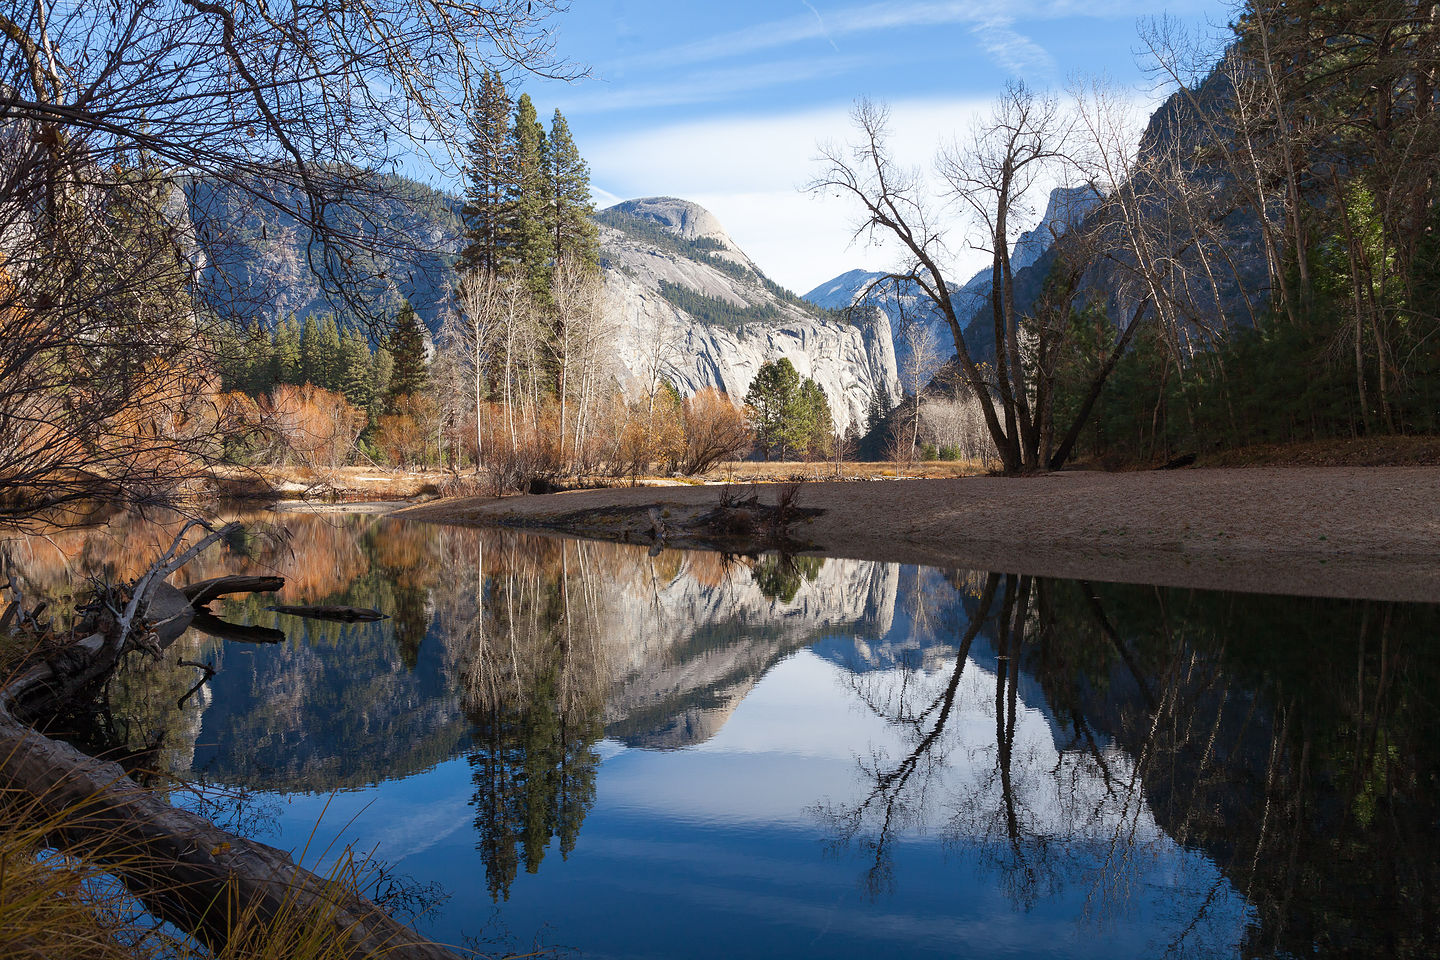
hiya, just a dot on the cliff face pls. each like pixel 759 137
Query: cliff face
pixel 1218 278
pixel 684 297
pixel 696 647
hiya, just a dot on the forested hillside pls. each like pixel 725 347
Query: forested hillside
pixel 1262 268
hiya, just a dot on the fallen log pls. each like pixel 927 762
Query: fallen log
pixel 202 592
pixel 186 870
pixel 206 622
pixel 341 614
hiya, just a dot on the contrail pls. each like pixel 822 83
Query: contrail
pixel 820 20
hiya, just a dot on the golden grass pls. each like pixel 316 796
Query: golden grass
pixel 55 906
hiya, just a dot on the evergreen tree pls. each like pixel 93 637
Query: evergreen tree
pixel 813 423
pixel 285 365
pixel 355 375
pixel 382 365
pixel 527 242
pixel 772 399
pixel 310 355
pixel 572 233
pixel 488 172
pixel 406 344
pixel 327 359
pixel 254 376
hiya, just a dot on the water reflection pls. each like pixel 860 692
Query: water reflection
pixel 820 757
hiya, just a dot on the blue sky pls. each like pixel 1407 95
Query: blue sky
pixel 724 103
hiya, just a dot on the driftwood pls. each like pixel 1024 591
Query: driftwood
pixel 341 614
pixel 185 869
pixel 207 622
pixel 202 592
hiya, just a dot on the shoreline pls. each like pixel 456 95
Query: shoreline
pixel 1350 532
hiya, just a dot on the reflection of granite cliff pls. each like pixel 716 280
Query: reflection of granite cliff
pixel 319 714
pixel 696 650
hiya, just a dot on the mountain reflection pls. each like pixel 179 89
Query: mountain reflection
pixel 1292 740
pixel 1269 763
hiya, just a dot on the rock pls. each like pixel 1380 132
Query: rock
pixel 751 322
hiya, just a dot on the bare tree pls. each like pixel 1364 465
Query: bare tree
pixel 1026 139
pixel 577 345
pixel 469 335
pixel 139 140
pixel 715 430
pixel 919 366
pixel 1027 136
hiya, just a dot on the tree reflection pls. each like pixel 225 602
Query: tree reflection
pixel 520 620
pixel 896 791
pixel 1293 741
pixel 779 575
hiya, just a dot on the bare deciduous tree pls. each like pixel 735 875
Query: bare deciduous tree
pixel 1026 140
pixel 140 141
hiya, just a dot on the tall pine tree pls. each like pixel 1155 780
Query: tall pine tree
pixel 285 353
pixel 406 345
pixel 489 169
pixel 356 374
pixel 527 247
pixel 572 233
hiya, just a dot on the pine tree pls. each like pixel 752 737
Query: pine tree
pixel 382 365
pixel 327 360
pixel 813 423
pixel 258 353
pixel 355 375
pixel 772 398
pixel 285 353
pixel 406 344
pixel 310 359
pixel 488 170
pixel 527 242
pixel 572 233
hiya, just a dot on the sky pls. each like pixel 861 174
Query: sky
pixel 725 103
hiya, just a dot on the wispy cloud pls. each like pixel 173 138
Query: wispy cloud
pixel 792 30
pixel 709 86
pixel 821 20
pixel 987 16
pixel 1011 49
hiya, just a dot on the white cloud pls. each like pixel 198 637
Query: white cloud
pixel 750 171
pixel 888 15
pixel 1012 50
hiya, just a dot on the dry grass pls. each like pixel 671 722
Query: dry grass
pixel 55 906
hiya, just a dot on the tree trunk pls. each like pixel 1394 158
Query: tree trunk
pixel 186 870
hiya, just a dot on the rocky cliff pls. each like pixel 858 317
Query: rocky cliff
pixel 682 295
pixel 685 297
pixel 696 644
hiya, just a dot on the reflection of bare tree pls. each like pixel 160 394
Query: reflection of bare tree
pixel 519 618
pixel 1041 815
pixel 889 803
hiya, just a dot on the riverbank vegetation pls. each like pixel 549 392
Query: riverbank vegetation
pixel 1255 264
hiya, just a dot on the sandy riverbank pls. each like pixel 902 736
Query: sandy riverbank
pixel 1338 531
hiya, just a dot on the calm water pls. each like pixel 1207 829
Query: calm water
pixel 601 753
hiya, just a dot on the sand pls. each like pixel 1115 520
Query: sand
pixel 1362 532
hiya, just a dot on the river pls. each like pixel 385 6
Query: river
pixel 601 751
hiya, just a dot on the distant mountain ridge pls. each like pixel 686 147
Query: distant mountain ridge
pixel 670 268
